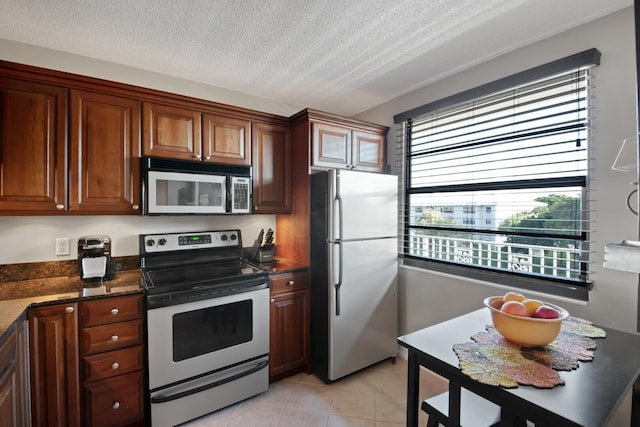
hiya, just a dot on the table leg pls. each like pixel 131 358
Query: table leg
pixel 454 404
pixel 635 403
pixel 413 385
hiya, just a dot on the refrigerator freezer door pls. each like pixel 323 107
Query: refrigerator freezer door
pixel 365 202
pixel 366 329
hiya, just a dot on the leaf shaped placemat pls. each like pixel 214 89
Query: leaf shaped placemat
pixel 491 359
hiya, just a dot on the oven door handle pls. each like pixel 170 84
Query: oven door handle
pixel 162 398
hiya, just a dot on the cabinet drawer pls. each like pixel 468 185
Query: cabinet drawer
pixel 111 337
pixel 111 310
pixel 287 282
pixel 112 363
pixel 115 401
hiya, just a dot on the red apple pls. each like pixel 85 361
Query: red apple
pixel 546 312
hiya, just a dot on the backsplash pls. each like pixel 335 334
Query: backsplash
pixel 48 269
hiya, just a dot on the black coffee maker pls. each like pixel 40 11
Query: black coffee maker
pixel 94 259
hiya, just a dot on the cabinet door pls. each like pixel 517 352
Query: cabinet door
pixel 53 340
pixel 115 402
pixel 226 140
pixel 22 369
pixel 271 169
pixel 289 336
pixel 330 146
pixel 171 132
pixel 368 151
pixel 104 173
pixel 33 123
pixel 9 381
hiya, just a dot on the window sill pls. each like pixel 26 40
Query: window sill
pixel 561 291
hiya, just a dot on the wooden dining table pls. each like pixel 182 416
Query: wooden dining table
pixel 589 396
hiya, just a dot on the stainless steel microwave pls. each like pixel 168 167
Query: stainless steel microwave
pixel 185 187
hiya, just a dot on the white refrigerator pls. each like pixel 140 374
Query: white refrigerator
pixel 354 266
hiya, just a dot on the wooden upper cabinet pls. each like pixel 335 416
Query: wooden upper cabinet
pixel 171 132
pixel 104 173
pixel 271 169
pixel 335 146
pixel 368 151
pixel 331 146
pixel 226 140
pixel 33 125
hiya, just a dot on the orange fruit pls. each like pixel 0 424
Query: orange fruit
pixel 516 308
pixel 532 305
pixel 513 296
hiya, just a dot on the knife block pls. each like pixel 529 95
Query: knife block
pixel 265 254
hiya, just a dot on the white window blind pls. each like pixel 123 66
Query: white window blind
pixel 500 182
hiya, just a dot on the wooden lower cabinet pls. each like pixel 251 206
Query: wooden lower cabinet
pixel 116 401
pixel 53 343
pixel 9 406
pixel 112 361
pixel 289 348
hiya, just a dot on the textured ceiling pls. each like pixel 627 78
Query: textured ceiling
pixel 341 56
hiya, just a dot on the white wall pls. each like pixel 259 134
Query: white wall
pixel 32 238
pixel 427 298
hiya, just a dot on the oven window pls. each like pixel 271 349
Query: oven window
pixel 210 329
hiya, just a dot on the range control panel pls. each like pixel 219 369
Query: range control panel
pixel 188 241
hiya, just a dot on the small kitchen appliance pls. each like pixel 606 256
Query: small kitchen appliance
pixel 94 259
pixel 187 187
pixel 207 324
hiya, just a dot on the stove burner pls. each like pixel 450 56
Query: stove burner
pixel 196 276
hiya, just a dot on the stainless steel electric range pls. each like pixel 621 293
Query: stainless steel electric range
pixel 207 323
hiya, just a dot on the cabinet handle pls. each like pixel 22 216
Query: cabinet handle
pixel 116 405
pixel 273 300
pixel 115 338
pixel 114 311
pixel 115 365
pixel 291 283
pixel 208 158
pixel 60 206
pixel 197 156
pixel 135 207
pixel 69 309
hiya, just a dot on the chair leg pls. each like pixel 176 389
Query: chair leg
pixel 432 422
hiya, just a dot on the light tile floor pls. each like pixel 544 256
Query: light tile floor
pixel 374 397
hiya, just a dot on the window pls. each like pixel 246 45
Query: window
pixel 512 158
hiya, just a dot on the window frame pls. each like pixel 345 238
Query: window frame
pixel 578 290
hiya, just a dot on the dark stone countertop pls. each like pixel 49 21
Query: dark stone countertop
pixel 18 296
pixel 278 266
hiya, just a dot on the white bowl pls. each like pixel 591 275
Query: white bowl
pixel 526 331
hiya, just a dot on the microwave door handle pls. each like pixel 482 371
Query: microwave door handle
pixel 227 191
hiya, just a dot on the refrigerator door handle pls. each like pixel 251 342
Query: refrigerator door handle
pixel 338 284
pixel 338 200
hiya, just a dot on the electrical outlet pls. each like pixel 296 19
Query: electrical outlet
pixel 62 246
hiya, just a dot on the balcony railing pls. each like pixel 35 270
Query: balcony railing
pixel 542 260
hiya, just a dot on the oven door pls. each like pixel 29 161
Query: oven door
pixel 196 338
pixel 185 193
